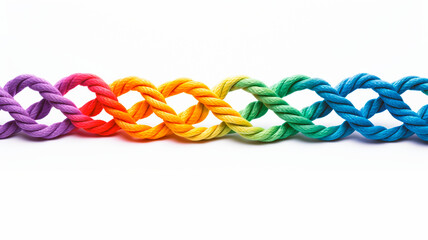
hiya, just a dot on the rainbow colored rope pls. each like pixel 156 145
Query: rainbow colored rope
pixel 269 98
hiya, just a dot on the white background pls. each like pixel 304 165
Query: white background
pixel 85 187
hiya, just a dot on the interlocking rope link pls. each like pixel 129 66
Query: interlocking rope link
pixel 181 124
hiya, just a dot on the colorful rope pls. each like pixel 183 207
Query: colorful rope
pixel 268 98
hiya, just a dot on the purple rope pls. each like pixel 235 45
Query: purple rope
pixel 25 120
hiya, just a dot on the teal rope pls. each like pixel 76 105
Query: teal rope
pixel 334 99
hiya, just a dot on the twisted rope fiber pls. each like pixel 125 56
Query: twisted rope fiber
pixel 268 98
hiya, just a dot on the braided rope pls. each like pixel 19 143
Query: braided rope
pixel 268 98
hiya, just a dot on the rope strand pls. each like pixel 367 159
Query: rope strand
pixel 182 124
